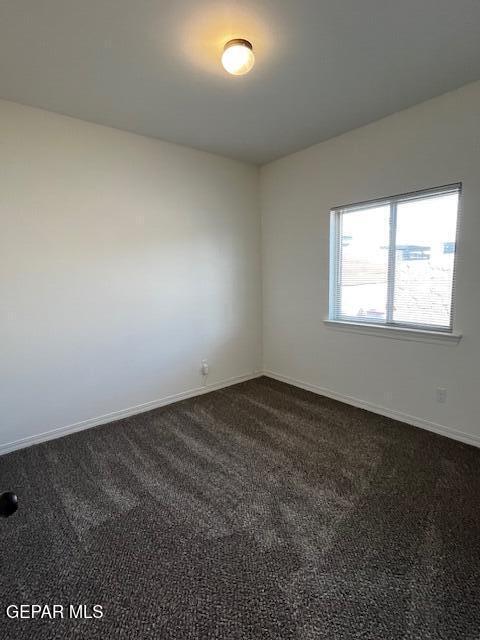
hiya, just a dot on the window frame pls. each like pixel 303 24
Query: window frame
pixel 336 259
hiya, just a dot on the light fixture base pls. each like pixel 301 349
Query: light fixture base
pixel 241 41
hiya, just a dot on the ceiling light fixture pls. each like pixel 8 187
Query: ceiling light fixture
pixel 237 57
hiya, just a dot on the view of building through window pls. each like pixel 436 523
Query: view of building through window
pixel 395 261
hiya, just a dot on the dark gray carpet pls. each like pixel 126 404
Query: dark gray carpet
pixel 257 512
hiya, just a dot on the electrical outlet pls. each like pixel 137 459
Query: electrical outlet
pixel 441 394
pixel 204 368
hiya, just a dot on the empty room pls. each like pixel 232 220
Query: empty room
pixel 239 289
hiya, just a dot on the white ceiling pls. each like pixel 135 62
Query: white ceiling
pixel 152 66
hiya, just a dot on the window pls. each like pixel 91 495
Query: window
pixel 393 260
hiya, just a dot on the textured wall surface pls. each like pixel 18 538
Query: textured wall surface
pixel 123 262
pixel 432 144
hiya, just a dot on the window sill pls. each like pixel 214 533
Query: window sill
pixel 395 333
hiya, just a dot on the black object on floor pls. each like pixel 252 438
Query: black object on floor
pixel 8 504
pixel 260 511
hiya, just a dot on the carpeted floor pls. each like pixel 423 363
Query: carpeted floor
pixel 256 512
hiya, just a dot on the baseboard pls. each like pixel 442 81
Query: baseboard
pixel 122 413
pixel 455 434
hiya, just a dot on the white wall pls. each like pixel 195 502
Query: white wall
pixel 435 143
pixel 123 262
